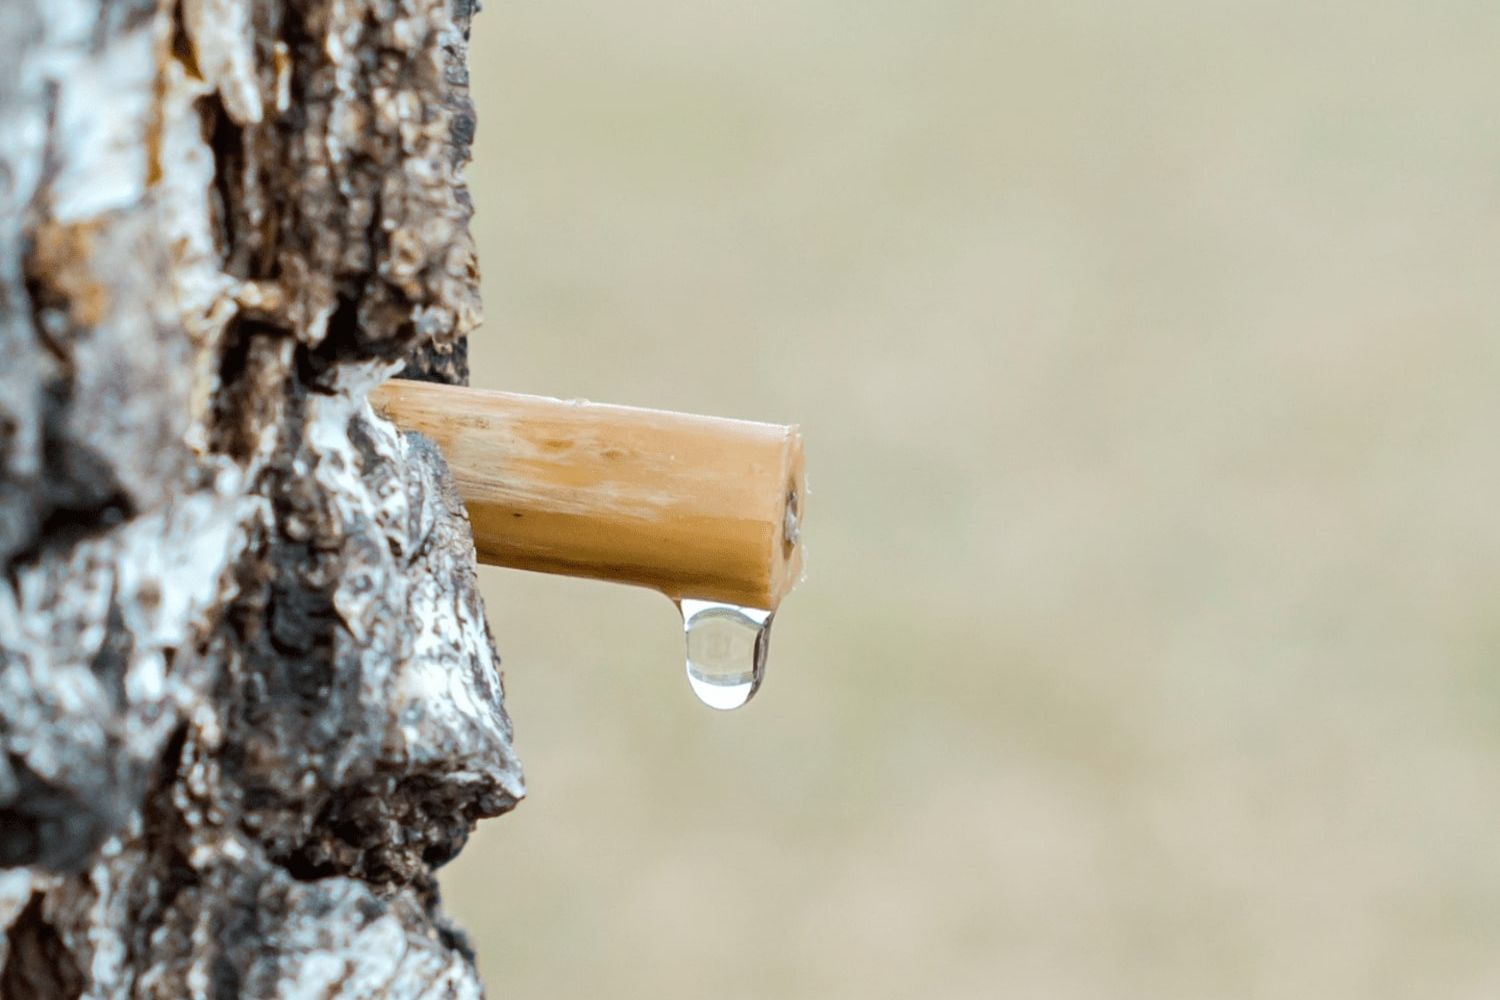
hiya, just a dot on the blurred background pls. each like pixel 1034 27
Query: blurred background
pixel 1148 356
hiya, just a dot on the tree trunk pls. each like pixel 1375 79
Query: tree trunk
pixel 248 699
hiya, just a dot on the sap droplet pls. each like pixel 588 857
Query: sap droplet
pixel 726 651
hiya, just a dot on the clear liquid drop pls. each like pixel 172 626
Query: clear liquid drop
pixel 726 651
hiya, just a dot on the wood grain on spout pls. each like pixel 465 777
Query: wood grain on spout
pixel 691 506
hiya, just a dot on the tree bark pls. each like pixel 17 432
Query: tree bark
pixel 248 698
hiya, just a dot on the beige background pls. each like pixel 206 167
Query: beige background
pixel 1149 359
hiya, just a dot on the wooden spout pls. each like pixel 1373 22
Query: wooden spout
pixel 695 507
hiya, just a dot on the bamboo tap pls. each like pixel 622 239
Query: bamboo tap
pixel 695 507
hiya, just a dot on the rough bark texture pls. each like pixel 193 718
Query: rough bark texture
pixel 248 699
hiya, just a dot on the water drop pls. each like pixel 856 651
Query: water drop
pixel 726 651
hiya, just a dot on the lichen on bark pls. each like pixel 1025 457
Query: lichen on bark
pixel 248 698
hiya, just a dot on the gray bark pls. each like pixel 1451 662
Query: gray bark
pixel 248 698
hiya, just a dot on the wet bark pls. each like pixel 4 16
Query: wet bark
pixel 248 698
